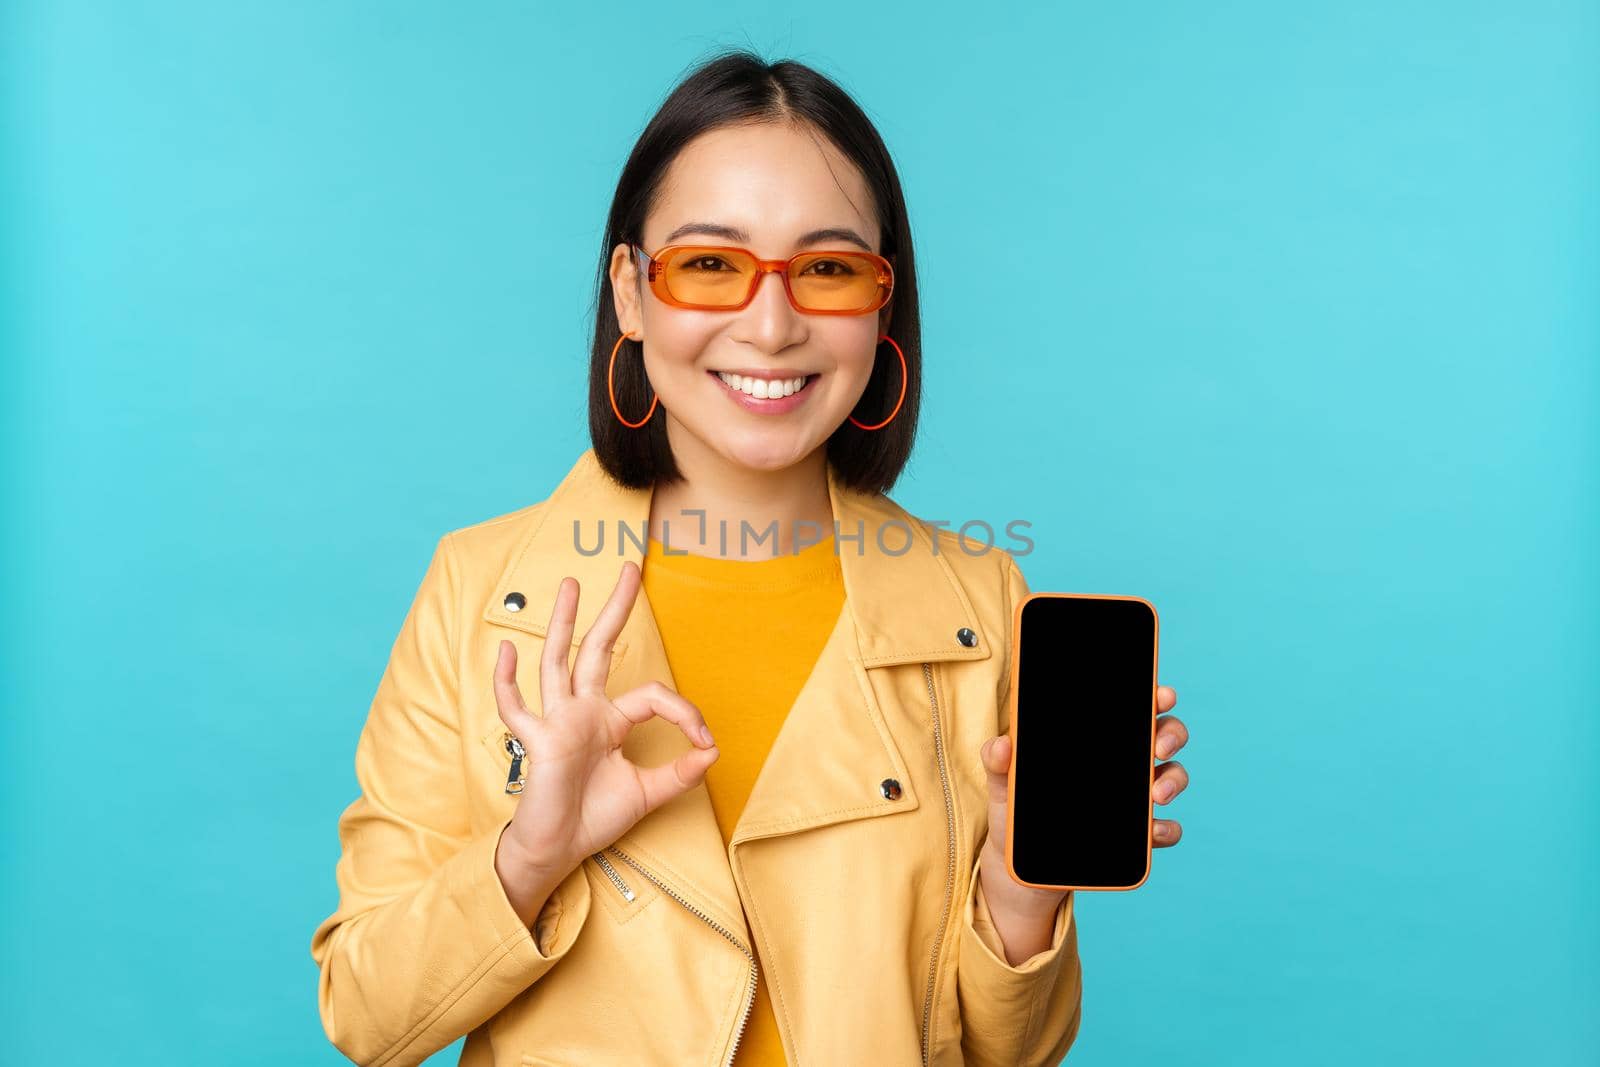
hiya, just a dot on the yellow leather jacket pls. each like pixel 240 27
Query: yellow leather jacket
pixel 863 899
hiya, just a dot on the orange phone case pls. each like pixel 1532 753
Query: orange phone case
pixel 1016 739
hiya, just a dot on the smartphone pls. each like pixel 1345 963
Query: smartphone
pixel 1083 729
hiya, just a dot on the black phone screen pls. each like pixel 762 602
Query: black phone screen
pixel 1085 708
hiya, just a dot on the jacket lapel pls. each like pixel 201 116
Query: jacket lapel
pixel 903 605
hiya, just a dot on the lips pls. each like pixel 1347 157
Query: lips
pixel 772 405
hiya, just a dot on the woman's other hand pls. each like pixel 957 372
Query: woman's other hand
pixel 1025 911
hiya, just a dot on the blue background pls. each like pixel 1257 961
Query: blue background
pixel 1280 315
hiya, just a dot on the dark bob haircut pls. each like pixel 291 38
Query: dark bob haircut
pixel 732 88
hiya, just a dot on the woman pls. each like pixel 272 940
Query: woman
pixel 756 814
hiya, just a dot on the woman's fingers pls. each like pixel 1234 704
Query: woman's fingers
pixel 1170 780
pixel 508 697
pixel 654 698
pixel 1171 735
pixel 594 654
pixel 555 683
pixel 661 784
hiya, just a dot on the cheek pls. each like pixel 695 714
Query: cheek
pixel 677 343
pixel 854 360
pixel 856 368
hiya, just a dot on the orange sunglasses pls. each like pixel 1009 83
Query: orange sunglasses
pixel 723 278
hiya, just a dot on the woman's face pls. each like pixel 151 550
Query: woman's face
pixel 761 187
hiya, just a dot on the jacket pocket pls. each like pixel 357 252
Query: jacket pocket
pixel 622 892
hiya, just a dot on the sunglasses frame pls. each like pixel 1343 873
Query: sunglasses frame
pixel 655 275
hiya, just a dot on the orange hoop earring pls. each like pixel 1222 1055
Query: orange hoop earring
pixel 612 390
pixel 897 403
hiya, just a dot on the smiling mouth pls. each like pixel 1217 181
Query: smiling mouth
pixel 765 388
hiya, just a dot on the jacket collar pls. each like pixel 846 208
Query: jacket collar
pixel 836 747
pixel 905 603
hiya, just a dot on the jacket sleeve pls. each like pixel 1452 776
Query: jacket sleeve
pixel 424 945
pixel 1027 1014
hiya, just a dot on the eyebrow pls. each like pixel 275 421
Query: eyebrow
pixel 733 233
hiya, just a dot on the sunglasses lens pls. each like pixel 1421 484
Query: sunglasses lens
pixel 709 277
pixel 838 281
pixel 821 281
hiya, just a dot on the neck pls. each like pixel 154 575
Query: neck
pixel 724 508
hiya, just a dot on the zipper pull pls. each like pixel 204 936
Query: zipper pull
pixel 514 776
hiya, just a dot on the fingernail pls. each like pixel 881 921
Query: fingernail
pixel 1164 792
pixel 1163 748
pixel 705 734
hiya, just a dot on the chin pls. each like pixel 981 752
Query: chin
pixel 771 455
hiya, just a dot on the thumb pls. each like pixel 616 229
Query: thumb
pixel 671 780
pixel 997 762
pixel 996 755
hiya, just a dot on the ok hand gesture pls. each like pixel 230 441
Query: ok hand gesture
pixel 582 793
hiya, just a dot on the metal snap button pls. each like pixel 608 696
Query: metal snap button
pixel 891 788
pixel 966 637
pixel 516 601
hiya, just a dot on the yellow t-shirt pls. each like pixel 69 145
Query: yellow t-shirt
pixel 742 637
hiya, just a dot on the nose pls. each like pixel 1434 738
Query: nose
pixel 771 322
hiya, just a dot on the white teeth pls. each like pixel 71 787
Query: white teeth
pixel 761 388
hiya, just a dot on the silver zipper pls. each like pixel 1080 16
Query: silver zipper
pixel 514 780
pixel 616 879
pixel 750 1000
pixel 950 871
